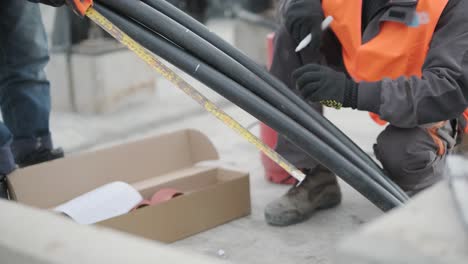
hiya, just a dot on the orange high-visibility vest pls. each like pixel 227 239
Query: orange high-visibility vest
pixel 398 50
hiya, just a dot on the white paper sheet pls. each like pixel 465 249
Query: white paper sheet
pixel 103 203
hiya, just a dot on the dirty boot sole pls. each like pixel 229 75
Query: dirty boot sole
pixel 328 198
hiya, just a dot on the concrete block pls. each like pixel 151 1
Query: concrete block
pixel 100 77
pixel 59 78
pixel 247 37
pixel 251 39
pixel 224 28
pixel 38 237
pixel 427 231
pixel 107 76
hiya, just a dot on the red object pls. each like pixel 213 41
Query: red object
pixel 270 45
pixel 160 196
pixel 466 118
pixel 164 195
pixel 273 172
pixel 81 6
pixel 377 119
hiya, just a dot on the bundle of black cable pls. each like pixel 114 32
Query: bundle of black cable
pixel 171 34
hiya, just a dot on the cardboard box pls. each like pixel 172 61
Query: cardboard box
pixel 212 195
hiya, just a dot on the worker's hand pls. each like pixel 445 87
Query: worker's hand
pixel 322 84
pixel 303 17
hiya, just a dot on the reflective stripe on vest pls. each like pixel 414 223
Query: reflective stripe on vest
pixel 466 118
pixel 398 50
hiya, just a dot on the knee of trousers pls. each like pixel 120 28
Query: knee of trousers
pixel 294 154
pixel 410 157
pixel 284 60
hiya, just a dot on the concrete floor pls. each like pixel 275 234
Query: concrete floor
pixel 247 240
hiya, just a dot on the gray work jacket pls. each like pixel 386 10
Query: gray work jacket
pixel 442 91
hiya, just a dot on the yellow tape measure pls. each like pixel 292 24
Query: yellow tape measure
pixel 175 79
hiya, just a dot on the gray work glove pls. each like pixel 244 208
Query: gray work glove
pixel 302 17
pixel 317 83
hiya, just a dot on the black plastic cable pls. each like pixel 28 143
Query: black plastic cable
pixel 248 101
pixel 206 52
pixel 200 30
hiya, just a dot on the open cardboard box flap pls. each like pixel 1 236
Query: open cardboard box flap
pixel 49 184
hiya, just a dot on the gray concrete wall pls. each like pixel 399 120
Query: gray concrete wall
pixel 38 237
pixel 426 231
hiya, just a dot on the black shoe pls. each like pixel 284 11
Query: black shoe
pixel 3 188
pixel 39 156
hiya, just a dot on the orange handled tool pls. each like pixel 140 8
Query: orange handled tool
pixel 80 6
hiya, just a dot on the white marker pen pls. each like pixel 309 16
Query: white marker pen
pixel 306 41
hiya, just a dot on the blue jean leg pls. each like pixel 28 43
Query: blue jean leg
pixel 24 88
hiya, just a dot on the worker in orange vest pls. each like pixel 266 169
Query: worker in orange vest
pixel 404 61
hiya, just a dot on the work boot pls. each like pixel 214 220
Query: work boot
pixel 7 166
pixel 39 156
pixel 3 187
pixel 319 190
